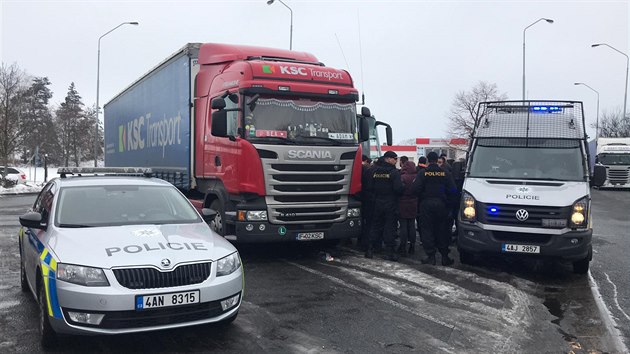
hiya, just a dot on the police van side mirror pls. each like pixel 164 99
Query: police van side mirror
pixel 32 220
pixel 599 176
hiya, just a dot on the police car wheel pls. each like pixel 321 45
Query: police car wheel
pixel 47 333
pixel 23 281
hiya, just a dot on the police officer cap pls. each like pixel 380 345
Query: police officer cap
pixel 432 156
pixel 390 154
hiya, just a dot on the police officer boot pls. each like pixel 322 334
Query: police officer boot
pixel 368 252
pixel 446 260
pixel 412 248
pixel 430 259
pixel 391 254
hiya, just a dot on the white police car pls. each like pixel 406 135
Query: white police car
pixel 118 254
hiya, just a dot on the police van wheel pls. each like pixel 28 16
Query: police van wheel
pixel 581 266
pixel 218 223
pixel 466 257
pixel 47 333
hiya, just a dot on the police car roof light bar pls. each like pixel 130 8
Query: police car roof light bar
pixel 110 171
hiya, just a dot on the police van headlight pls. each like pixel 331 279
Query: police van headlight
pixel 468 211
pixel 80 275
pixel 354 212
pixel 228 265
pixel 579 213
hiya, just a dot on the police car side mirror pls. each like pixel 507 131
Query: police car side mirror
pixel 32 220
pixel 208 214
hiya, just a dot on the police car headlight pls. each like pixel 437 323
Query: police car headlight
pixel 468 207
pixel 354 212
pixel 86 276
pixel 228 265
pixel 579 213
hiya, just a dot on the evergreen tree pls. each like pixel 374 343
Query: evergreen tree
pixel 73 125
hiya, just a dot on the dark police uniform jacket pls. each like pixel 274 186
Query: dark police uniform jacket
pixel 435 183
pixel 385 183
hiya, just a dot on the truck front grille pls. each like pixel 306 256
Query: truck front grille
pixel 505 214
pixel 618 176
pixel 150 278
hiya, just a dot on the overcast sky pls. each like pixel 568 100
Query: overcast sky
pixel 416 54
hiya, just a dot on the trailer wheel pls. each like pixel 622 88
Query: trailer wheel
pixel 218 223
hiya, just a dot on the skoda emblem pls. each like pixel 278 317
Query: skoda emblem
pixel 522 214
pixel 166 263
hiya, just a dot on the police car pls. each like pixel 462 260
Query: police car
pixel 106 254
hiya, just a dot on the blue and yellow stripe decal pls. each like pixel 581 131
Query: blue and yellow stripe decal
pixel 49 272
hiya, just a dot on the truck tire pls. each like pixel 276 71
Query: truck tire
pixel 48 337
pixel 218 223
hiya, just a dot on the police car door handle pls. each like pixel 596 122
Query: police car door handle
pixel 217 161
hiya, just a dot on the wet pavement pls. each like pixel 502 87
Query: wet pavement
pixel 311 299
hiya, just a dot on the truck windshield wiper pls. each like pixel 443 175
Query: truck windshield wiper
pixel 74 226
pixel 280 140
pixel 334 141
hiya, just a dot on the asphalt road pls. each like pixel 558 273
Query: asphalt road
pixel 297 301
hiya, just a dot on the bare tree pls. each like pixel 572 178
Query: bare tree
pixel 464 109
pixel 12 94
pixel 613 125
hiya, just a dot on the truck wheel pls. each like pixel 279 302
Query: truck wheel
pixel 581 266
pixel 467 257
pixel 218 223
pixel 47 333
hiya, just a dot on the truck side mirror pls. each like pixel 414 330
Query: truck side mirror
pixel 218 103
pixel 388 133
pixel 32 220
pixel 364 129
pixel 219 122
pixel 599 176
pixel 365 112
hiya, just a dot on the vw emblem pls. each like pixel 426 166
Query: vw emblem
pixel 166 262
pixel 522 214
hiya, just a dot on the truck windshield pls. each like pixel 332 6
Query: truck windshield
pixel 614 159
pixel 538 159
pixel 300 121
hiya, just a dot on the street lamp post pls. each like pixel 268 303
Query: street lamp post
pixel 625 94
pixel 98 71
pixel 525 29
pixel 597 120
pixel 269 2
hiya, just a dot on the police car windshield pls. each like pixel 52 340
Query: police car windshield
pixel 614 159
pixel 559 163
pixel 91 206
pixel 300 121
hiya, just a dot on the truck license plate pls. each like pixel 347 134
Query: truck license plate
pixel 520 248
pixel 307 236
pixel 165 300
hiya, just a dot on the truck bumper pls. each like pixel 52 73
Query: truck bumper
pixel 571 246
pixel 253 232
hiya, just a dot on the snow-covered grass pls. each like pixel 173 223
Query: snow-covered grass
pixel 34 180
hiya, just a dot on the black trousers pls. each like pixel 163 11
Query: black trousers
pixel 433 214
pixel 383 218
pixel 407 232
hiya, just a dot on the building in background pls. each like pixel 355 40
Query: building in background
pixel 453 148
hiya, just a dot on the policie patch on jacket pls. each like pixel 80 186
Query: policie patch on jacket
pixel 381 175
pixel 434 174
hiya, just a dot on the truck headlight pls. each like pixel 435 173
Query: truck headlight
pixel 252 215
pixel 579 213
pixel 468 207
pixel 354 212
pixel 80 275
pixel 228 265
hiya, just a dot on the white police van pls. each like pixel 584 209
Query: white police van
pixel 526 190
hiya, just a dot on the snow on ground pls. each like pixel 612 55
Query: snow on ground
pixel 34 180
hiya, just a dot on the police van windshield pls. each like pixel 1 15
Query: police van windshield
pixel 537 159
pixel 300 121
pixel 614 159
pixel 122 205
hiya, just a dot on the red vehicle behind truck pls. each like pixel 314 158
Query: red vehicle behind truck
pixel 269 138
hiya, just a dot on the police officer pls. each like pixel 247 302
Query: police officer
pixel 436 191
pixel 386 186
